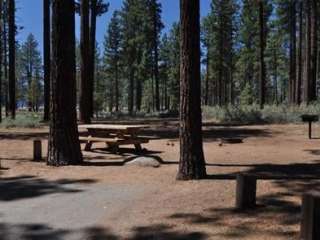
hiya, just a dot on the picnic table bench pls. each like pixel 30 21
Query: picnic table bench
pixel 114 136
pixel 310 119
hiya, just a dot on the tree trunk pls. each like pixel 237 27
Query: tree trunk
pixel 206 94
pixel 262 49
pixel 310 52
pixel 192 163
pixel 275 75
pixel 314 48
pixel 93 22
pixel 292 67
pixel 130 90
pixel 46 58
pixel 117 87
pixel 1 93
pixel 64 145
pixel 5 60
pixel 85 96
pixel 300 58
pixel 138 94
pixel 12 60
pixel 156 59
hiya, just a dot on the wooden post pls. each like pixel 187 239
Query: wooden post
pixel 246 191
pixel 310 129
pixel 310 217
pixel 37 150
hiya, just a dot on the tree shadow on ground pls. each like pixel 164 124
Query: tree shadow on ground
pixel 313 151
pixel 272 210
pixel 294 171
pixel 209 133
pixel 25 187
pixel 23 136
pixel 120 158
pixel 280 208
pixel 42 231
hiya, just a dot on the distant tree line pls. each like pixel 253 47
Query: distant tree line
pixel 261 51
pixel 253 52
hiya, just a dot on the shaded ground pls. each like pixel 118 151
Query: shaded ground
pixel 105 199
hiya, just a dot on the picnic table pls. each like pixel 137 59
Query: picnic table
pixel 114 136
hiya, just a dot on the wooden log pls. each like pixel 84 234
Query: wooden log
pixel 37 150
pixel 246 192
pixel 310 222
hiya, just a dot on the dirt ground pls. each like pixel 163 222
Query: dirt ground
pixel 286 162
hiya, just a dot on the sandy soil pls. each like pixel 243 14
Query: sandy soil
pixel 286 162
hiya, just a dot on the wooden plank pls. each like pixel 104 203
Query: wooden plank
pixel 115 141
pixel 113 127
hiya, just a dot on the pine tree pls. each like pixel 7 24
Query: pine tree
pixel 192 163
pixel 248 65
pixel 46 57
pixel 112 56
pixel 12 58
pixel 97 8
pixel 63 145
pixel 311 52
pixel 220 28
pixel 262 42
pixel 85 85
pixel 154 12
pixel 1 57
pixel 31 66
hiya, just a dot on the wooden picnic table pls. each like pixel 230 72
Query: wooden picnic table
pixel 114 135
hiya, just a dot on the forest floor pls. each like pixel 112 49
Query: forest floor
pixel 105 199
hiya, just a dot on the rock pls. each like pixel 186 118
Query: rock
pixel 144 162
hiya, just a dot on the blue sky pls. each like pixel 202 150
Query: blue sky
pixel 29 16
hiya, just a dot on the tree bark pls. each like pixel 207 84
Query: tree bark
pixel 130 90
pixel 46 58
pixel 206 94
pixel 310 52
pixel 5 60
pixel 64 145
pixel 93 23
pixel 262 50
pixel 156 59
pixel 1 93
pixel 314 48
pixel 138 94
pixel 85 95
pixel 12 60
pixel 293 49
pixel 300 58
pixel 117 87
pixel 192 163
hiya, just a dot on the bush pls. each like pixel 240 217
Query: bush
pixel 23 120
pixel 251 114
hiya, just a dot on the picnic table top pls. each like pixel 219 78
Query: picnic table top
pixel 112 127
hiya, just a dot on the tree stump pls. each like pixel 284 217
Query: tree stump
pixel 246 191
pixel 37 150
pixel 310 222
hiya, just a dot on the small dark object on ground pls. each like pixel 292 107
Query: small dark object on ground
pixel 169 114
pixel 231 140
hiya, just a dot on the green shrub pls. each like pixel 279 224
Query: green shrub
pixel 250 114
pixel 23 120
